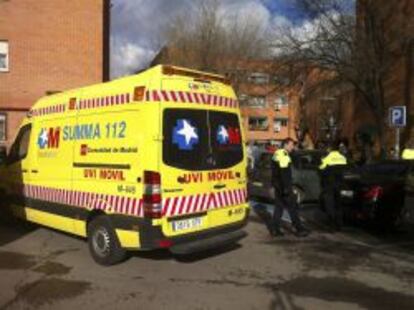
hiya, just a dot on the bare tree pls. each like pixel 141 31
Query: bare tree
pixel 358 49
pixel 210 39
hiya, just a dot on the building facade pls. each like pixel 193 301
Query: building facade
pixel 48 46
pixel 268 102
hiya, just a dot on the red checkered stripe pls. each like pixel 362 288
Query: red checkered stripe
pixel 110 203
pixel 53 109
pixel 203 202
pixel 105 101
pixel 190 97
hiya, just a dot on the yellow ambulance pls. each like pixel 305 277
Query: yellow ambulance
pixel 153 160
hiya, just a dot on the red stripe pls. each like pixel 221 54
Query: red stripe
pixel 197 98
pixel 189 97
pixel 196 203
pixel 182 97
pixel 173 95
pixel 165 95
pixel 155 96
pixel 174 206
pixel 182 204
pixel 189 202
pixel 165 206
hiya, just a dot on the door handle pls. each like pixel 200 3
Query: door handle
pixel 24 170
pixel 35 171
pixel 220 186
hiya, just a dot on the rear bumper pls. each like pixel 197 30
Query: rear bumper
pixel 208 243
pixel 153 238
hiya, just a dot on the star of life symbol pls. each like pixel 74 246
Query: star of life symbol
pixel 185 135
pixel 222 135
pixel 43 139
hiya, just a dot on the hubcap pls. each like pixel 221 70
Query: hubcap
pixel 101 242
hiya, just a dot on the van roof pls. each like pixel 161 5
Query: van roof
pixel 60 102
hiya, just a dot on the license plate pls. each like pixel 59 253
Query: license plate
pixel 187 224
pixel 258 184
pixel 347 194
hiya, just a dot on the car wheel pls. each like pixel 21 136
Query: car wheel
pixel 299 194
pixel 103 242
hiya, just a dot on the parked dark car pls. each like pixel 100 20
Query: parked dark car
pixel 371 193
pixel 306 181
pixel 375 193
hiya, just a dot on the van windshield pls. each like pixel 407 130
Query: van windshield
pixel 201 140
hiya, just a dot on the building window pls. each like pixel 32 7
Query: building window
pixel 3 127
pixel 279 123
pixel 280 102
pixel 258 124
pixel 281 80
pixel 258 78
pixel 4 56
pixel 253 101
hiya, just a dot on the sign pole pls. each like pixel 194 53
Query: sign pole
pixel 398 119
pixel 397 143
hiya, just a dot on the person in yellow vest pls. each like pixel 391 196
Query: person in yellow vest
pixel 284 196
pixel 332 167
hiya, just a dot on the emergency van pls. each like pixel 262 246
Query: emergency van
pixel 153 160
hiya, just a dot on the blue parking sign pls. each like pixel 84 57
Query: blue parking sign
pixel 398 116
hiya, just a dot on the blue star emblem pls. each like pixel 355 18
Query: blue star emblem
pixel 222 135
pixel 185 135
pixel 42 139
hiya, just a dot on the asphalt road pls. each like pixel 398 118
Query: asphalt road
pixel 355 269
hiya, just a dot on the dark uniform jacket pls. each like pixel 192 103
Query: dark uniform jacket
pixel 282 172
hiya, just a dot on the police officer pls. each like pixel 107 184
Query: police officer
pixel 284 196
pixel 332 168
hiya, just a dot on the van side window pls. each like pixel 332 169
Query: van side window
pixel 20 146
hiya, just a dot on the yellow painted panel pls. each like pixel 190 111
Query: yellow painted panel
pixel 128 239
pixel 54 221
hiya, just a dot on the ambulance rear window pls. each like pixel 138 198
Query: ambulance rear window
pixel 201 140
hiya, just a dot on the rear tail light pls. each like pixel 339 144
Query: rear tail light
pixel 374 193
pixel 152 195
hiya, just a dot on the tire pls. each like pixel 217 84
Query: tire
pixel 103 243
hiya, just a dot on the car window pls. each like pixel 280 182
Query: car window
pixel 20 147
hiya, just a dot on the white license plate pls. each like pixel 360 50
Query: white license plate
pixel 187 224
pixel 347 194
pixel 258 184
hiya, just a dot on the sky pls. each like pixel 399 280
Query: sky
pixel 137 25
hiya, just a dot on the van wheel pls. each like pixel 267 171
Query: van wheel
pixel 103 242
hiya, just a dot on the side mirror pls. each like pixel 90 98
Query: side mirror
pixel 3 155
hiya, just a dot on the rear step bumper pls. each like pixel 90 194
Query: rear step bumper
pixel 208 243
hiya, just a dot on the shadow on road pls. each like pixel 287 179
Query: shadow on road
pixel 12 229
pixel 186 259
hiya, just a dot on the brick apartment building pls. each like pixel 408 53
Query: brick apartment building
pixel 268 102
pixel 48 46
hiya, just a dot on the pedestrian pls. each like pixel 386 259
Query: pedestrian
pixel 250 157
pixel 284 197
pixel 332 168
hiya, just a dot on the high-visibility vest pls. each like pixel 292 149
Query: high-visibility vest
pixel 282 158
pixel 408 154
pixel 334 158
